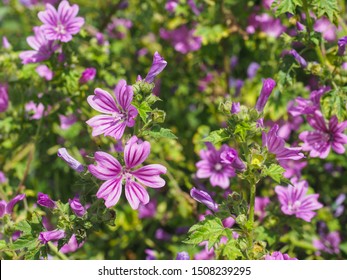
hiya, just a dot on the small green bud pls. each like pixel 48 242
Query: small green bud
pixel 158 116
pixel 241 219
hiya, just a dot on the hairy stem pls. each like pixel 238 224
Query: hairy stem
pixel 251 216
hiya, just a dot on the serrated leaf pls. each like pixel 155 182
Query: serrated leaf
pixel 143 109
pixel 286 6
pixel 3 244
pixel 24 227
pixel 275 171
pixel 211 229
pixel 160 133
pixel 326 7
pixel 217 136
pixel 25 242
pixel 230 250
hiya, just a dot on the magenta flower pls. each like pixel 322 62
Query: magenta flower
pixel 72 162
pixel 328 243
pixel 149 210
pixel 87 75
pixel 265 23
pixel 342 46
pixel 67 121
pixel 43 48
pixel 158 66
pixel 118 114
pixel 230 156
pixel 278 256
pixel 268 86
pixel 276 145
pixel 7 208
pixel 294 200
pixel 5 43
pixel 235 108
pixel 260 205
pixel 118 27
pixel 182 39
pixel 171 5
pixel 61 24
pixel 71 246
pixel 45 200
pixel 44 72
pixel 108 168
pixel 204 198
pixel 328 29
pixel 252 70
pixel 3 178
pixel 77 207
pixel 320 141
pixel 3 97
pixel 211 166
pixel 35 111
pixel 299 59
pixel 182 256
pixel 52 235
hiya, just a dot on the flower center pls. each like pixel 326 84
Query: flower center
pixel 218 167
pixel 295 206
pixel 60 29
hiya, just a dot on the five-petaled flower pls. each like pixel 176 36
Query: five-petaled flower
pixel 61 24
pixel 109 169
pixel 117 114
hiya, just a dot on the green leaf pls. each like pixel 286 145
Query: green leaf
pixel 326 7
pixel 24 226
pixel 3 244
pixel 241 129
pixel 284 6
pixel 275 171
pixel 334 104
pixel 25 242
pixel 143 109
pixel 160 132
pixel 230 250
pixel 211 229
pixel 217 136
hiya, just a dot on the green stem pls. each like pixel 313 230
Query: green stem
pixel 251 216
pixel 54 249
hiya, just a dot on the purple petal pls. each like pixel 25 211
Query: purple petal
pixel 124 94
pixel 135 194
pixel 13 202
pixel 149 175
pixel 136 153
pixel 110 191
pixel 107 166
pixel 103 102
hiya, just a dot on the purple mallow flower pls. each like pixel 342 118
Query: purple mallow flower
pixel 328 29
pixel 87 75
pixel 265 23
pixel 3 178
pixel 324 137
pixel 276 145
pixel 35 111
pixel 182 39
pixel 278 256
pixel 294 200
pixel 67 121
pixel 7 208
pixel 5 43
pixel 118 27
pixel 182 256
pixel 211 166
pixel 268 86
pixel 44 72
pixel 235 108
pixel 341 43
pixel 43 48
pixel 3 97
pixel 61 24
pixel 71 246
pixel 171 5
pixel 72 162
pixel 52 235
pixel 77 207
pixel 149 210
pixel 204 198
pixel 118 114
pixel 158 66
pixel 328 243
pixel 252 70
pixel 230 156
pixel 45 200
pixel 110 170
pixel 299 59
pixel 260 207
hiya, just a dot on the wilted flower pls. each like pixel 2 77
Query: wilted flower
pixel 120 113
pixel 324 137
pixel 212 167
pixel 7 208
pixel 108 168
pixel 45 200
pixel 77 207
pixel 158 66
pixel 268 86
pixel 73 163
pixel 230 156
pixel 278 256
pixel 43 48
pixel 44 72
pixel 294 200
pixel 328 243
pixel 87 75
pixel 276 145
pixel 3 97
pixel 204 198
pixel 53 235
pixel 182 256
pixel 61 24
pixel 71 246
